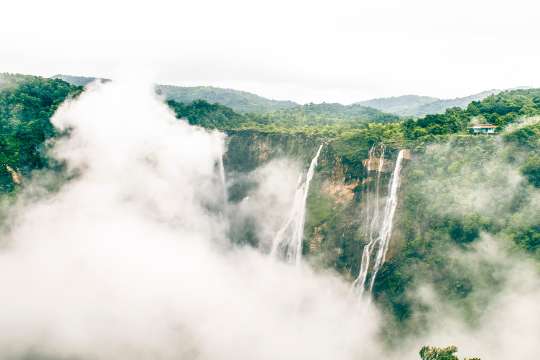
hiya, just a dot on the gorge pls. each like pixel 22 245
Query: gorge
pixel 443 242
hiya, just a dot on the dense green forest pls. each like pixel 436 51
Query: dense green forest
pixel 240 101
pixel 434 353
pixel 501 110
pixel 435 213
pixel 26 105
pixel 451 158
pixel 351 126
pixel 454 195
pixel 323 119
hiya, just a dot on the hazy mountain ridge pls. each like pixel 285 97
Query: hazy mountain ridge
pixel 77 80
pixel 415 105
pixel 398 104
pixel 246 102
pixel 241 101
pixel 440 106
pixel 8 80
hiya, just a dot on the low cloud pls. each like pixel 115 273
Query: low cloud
pixel 126 259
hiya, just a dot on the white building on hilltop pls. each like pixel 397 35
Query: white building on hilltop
pixel 483 129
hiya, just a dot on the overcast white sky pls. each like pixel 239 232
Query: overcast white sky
pixel 303 50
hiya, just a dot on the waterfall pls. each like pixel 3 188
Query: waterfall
pixel 221 172
pixel 288 240
pixel 372 218
pixel 378 228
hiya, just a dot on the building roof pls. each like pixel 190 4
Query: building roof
pixel 483 126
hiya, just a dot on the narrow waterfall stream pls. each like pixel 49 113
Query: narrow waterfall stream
pixel 288 240
pixel 378 226
pixel 221 172
pixel 371 224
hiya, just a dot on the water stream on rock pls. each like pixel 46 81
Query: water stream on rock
pixel 287 243
pixel 378 225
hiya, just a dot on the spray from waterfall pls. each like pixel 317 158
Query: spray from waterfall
pixel 378 226
pixel 288 240
pixel 137 237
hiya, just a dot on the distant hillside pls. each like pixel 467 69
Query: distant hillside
pixel 240 101
pixel 76 80
pixel 500 109
pixel 414 105
pixel 350 111
pixel 237 100
pixel 200 112
pixel 332 113
pixel 10 80
pixel 400 105
pixel 439 106
pixel 377 110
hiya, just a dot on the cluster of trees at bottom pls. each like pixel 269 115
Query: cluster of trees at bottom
pixel 435 353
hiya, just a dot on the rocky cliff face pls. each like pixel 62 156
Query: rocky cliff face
pixel 333 236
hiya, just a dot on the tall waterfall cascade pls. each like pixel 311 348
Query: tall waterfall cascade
pixel 288 241
pixel 223 181
pixel 378 222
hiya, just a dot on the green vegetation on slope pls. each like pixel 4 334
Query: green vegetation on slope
pixel 352 129
pixel 240 101
pixel 211 116
pixel 451 194
pixel 237 100
pixel 450 169
pixel 26 105
pixel 439 106
pixel 404 105
pixel 500 110
pixel 414 105
pixel 325 121
pixel 438 211
pixel 434 353
pixel 328 114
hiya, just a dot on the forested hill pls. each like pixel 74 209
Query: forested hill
pixel 27 102
pixel 246 102
pixel 447 165
pixel 240 101
pixel 439 106
pixel 310 118
pixel 77 80
pixel 331 113
pixel 401 105
pixel 501 110
pixel 351 125
pixel 11 81
pixel 26 105
pixel 414 105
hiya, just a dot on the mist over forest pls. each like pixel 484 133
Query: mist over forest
pixel 151 222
